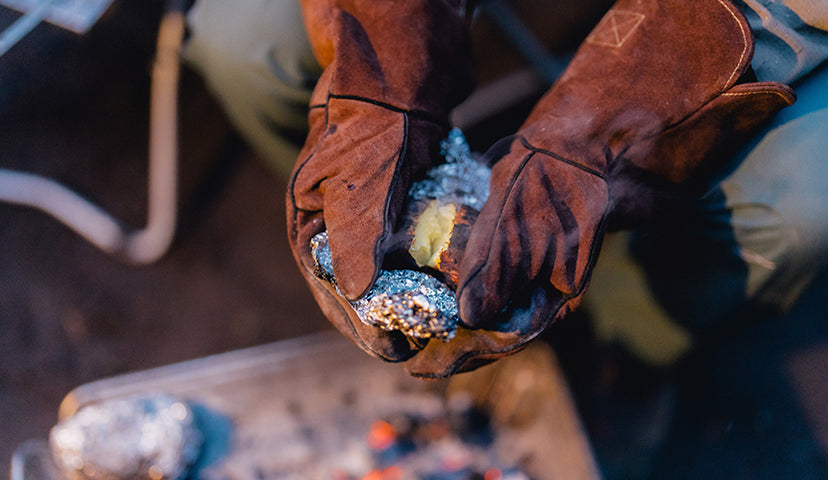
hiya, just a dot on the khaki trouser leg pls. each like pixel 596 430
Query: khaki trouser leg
pixel 758 238
pixel 256 59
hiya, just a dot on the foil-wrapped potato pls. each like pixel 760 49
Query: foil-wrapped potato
pixel 419 301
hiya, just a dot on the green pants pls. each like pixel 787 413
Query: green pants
pixel 752 244
pixel 256 59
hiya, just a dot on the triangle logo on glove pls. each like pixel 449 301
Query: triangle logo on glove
pixel 615 28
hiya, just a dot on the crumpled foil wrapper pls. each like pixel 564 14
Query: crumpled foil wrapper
pixel 412 302
pixel 409 301
pixel 461 180
pixel 149 437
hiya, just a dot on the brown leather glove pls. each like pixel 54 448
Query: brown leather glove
pixel 393 70
pixel 652 97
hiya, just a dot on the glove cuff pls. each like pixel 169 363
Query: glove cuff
pixel 413 55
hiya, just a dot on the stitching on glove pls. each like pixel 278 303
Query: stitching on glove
pixel 745 40
pixel 524 162
pixel 294 228
pixel 358 337
pixel 554 155
pixel 594 249
pixel 612 32
pixel 387 226
pixel 417 113
pixel 757 92
pixel 514 178
pixel 490 243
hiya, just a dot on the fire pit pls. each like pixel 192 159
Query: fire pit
pixel 318 408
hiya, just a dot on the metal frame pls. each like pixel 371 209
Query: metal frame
pixel 141 246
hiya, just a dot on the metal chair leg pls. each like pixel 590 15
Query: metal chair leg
pixel 142 246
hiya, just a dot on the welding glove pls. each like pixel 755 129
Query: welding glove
pixel 643 113
pixel 392 72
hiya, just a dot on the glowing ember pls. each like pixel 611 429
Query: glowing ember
pixel 381 435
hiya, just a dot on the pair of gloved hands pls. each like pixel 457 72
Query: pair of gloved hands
pixel 645 109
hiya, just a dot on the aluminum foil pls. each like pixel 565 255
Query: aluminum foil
pixel 413 302
pixel 461 180
pixel 151 437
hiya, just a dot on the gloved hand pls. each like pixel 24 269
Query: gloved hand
pixel 392 72
pixel 650 101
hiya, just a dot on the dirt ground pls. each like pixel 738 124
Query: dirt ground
pixel 75 109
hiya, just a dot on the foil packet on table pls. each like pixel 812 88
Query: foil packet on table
pixel 151 437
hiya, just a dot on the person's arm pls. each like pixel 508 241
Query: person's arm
pixel 644 112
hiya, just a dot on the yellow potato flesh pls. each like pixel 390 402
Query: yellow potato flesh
pixel 432 233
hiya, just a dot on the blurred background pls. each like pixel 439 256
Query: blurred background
pixel 75 109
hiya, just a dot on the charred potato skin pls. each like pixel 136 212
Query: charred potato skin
pixel 451 256
pixel 447 264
